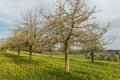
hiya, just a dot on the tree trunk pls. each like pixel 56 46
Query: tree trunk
pixel 67 69
pixel 50 55
pixel 18 51
pixel 92 56
pixel 13 50
pixel 30 52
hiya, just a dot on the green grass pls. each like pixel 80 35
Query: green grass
pixel 41 67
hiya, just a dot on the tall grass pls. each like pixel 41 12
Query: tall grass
pixel 42 67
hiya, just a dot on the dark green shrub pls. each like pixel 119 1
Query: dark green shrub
pixel 87 56
pixel 115 57
pixel 109 58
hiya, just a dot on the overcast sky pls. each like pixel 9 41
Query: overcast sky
pixel 11 10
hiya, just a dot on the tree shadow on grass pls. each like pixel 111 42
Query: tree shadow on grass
pixel 88 75
pixel 22 59
pixel 44 73
pixel 98 63
pixel 59 74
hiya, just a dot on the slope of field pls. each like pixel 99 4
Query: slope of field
pixel 42 67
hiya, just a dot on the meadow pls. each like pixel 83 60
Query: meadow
pixel 42 67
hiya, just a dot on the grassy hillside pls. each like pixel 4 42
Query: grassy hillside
pixel 44 68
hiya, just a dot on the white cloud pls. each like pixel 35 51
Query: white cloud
pixel 110 9
pixel 13 8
